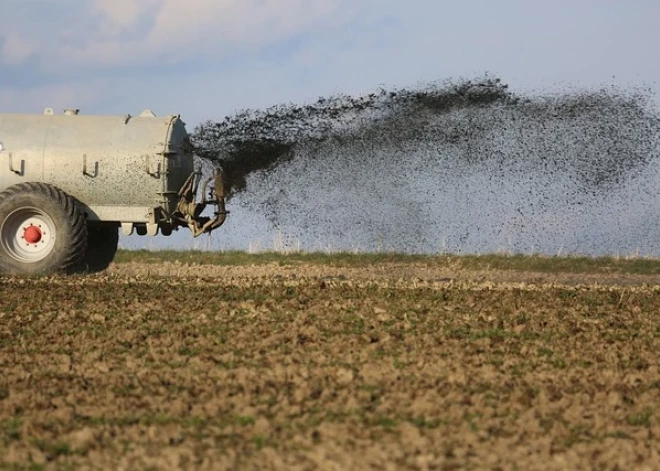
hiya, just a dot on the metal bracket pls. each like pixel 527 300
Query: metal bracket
pixel 158 171
pixel 21 169
pixel 153 216
pixel 152 229
pixel 127 228
pixel 96 168
pixel 190 210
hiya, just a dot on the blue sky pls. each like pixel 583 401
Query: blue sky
pixel 206 58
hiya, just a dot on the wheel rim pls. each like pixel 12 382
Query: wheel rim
pixel 28 235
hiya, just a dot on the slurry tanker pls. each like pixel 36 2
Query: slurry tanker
pixel 69 183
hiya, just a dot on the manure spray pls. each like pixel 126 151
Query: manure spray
pixel 463 166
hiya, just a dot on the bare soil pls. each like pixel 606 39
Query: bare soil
pixel 393 366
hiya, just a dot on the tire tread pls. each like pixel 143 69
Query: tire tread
pixel 78 238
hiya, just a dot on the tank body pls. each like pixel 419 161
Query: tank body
pixel 125 169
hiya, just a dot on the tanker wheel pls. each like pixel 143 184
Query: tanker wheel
pixel 102 244
pixel 42 230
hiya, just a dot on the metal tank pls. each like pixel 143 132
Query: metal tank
pixel 133 172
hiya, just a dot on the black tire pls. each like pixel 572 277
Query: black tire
pixel 58 241
pixel 102 242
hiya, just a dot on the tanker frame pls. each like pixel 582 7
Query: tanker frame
pixel 69 182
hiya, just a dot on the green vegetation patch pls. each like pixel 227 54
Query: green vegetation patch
pixel 523 263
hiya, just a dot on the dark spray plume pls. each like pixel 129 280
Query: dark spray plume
pixel 464 166
pixel 258 140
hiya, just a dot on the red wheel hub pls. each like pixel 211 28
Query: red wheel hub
pixel 32 235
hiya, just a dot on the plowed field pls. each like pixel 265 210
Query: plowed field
pixel 313 366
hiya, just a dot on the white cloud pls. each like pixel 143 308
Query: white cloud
pixel 116 16
pixel 106 33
